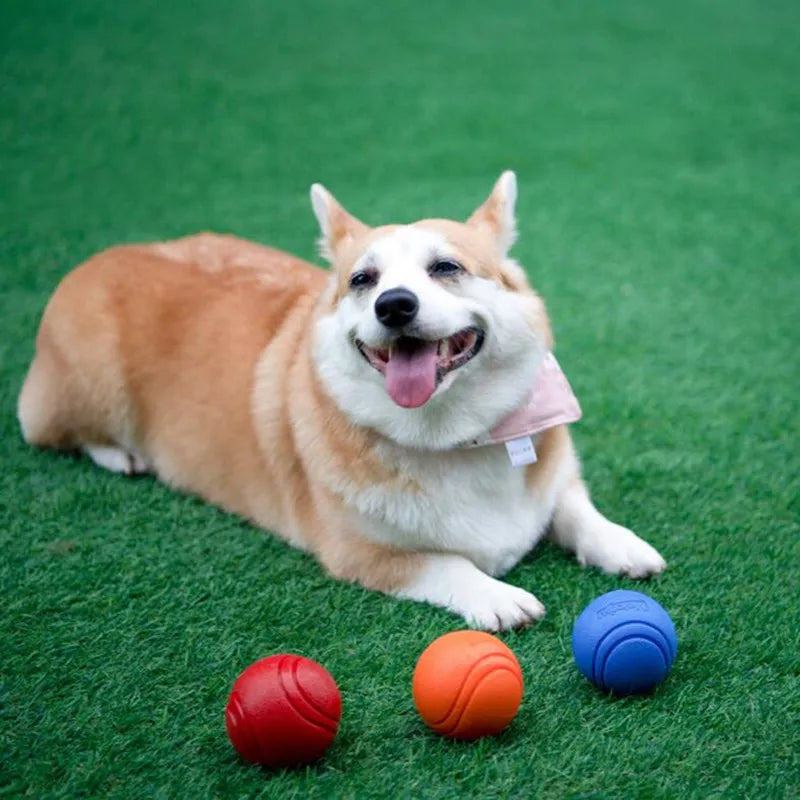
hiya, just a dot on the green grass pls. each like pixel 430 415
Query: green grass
pixel 658 151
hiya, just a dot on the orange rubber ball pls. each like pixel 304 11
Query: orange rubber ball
pixel 467 684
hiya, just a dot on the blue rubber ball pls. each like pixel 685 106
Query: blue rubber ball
pixel 624 642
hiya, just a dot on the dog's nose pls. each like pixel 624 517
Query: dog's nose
pixel 396 307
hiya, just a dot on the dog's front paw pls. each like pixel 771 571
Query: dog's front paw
pixel 621 552
pixel 501 607
pixel 455 583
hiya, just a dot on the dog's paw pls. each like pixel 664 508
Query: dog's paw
pixel 619 551
pixel 501 608
pixel 116 459
pixel 455 583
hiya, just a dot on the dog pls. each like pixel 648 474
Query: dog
pixel 358 412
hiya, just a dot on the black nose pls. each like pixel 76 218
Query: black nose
pixel 396 307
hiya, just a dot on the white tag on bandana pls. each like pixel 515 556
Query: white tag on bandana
pixel 521 451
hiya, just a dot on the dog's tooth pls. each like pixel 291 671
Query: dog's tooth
pixel 444 349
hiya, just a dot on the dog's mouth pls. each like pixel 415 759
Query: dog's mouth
pixel 415 367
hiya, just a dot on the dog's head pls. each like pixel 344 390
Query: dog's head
pixel 428 333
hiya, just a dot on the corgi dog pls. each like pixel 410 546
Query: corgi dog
pixel 361 413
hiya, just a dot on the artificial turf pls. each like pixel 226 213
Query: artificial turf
pixel 658 152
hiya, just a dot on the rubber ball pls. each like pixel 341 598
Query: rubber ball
pixel 624 642
pixel 467 684
pixel 283 711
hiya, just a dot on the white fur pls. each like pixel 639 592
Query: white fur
pixel 598 542
pixel 116 460
pixel 321 202
pixel 506 189
pixel 461 408
pixel 456 584
pixel 472 502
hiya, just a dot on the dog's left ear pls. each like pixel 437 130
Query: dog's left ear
pixel 337 227
pixel 496 215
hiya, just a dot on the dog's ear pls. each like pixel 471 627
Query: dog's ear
pixel 496 215
pixel 337 227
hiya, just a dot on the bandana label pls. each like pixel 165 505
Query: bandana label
pixel 521 451
pixel 550 403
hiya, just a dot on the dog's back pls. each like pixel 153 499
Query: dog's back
pixel 184 320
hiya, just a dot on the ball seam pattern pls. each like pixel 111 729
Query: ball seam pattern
pixel 244 721
pixel 291 701
pixel 598 678
pixel 451 729
pixel 468 674
pixel 310 700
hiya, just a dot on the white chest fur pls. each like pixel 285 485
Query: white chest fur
pixel 471 502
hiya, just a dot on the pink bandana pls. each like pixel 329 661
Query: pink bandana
pixel 550 403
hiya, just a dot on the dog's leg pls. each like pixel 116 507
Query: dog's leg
pixel 116 459
pixel 447 580
pixel 578 526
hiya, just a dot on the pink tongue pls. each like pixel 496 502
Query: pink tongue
pixel 411 376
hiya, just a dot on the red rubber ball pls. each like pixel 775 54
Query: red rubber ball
pixel 283 711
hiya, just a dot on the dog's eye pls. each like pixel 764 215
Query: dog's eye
pixel 363 279
pixel 444 268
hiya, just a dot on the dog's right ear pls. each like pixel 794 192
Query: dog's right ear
pixel 337 227
pixel 496 215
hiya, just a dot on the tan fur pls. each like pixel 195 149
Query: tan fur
pixel 552 448
pixel 187 353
